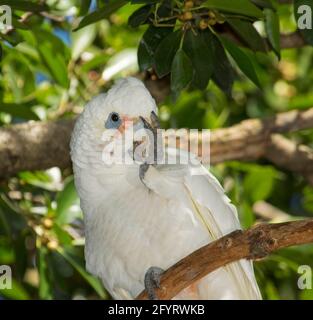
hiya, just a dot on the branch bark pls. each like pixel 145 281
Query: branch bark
pixel 252 244
pixel 42 145
pixel 249 139
pixel 292 40
pixel 287 154
pixel 270 213
pixel 35 146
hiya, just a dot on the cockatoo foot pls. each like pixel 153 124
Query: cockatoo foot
pixel 152 281
pixel 155 122
pixel 157 146
pixel 157 151
pixel 143 168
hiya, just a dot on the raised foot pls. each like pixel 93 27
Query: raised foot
pixel 152 281
pixel 143 168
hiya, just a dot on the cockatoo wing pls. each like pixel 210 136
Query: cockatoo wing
pixel 212 207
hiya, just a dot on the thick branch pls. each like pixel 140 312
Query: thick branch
pixel 287 154
pixel 292 40
pixel 35 146
pixel 42 145
pixel 252 244
pixel 269 212
pixel 248 140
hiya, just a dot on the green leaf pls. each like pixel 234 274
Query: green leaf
pixel 144 56
pixel 244 7
pixel 308 198
pixel 199 50
pixel 247 217
pixel 62 235
pixel 242 59
pixel 94 282
pixel 54 55
pixel 82 39
pixel 248 34
pixel 306 294
pixel 14 37
pixel 165 53
pixel 84 7
pixel 22 111
pixel 101 13
pixel 7 255
pixel 96 62
pixel 24 5
pixel 45 291
pixel 17 292
pixel 18 25
pixel 223 72
pixel 65 200
pixel 273 30
pixel 271 291
pixel 264 4
pixel 143 1
pixel 304 19
pixel 140 16
pixel 148 45
pixel 257 186
pixel 11 217
pixel 181 72
pixel 39 179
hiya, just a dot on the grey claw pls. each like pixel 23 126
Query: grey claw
pixel 146 124
pixel 157 138
pixel 155 120
pixel 152 281
pixel 143 168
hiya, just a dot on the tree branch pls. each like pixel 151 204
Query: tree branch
pixel 270 213
pixel 252 244
pixel 287 154
pixel 249 139
pixel 292 40
pixel 42 145
pixel 35 146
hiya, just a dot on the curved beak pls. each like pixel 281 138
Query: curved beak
pixel 154 123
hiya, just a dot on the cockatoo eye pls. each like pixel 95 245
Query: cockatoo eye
pixel 113 121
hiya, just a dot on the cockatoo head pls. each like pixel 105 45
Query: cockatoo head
pixel 128 101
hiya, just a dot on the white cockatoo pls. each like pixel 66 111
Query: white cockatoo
pixel 137 220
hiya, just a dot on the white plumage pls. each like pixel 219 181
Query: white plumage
pixel 131 226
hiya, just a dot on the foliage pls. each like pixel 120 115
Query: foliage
pixel 53 61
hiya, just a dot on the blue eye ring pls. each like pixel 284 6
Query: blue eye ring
pixel 113 121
